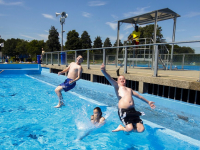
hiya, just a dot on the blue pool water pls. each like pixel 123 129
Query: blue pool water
pixel 28 119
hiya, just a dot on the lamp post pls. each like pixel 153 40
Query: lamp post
pixel 62 21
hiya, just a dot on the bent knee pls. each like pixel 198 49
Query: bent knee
pixel 140 129
pixel 57 90
pixel 129 128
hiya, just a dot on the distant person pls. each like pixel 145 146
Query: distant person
pixel 135 35
pixel 43 52
pixel 74 73
pixel 126 106
pixel 97 118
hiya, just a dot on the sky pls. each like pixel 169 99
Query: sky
pixel 32 19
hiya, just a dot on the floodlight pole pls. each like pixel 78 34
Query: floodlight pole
pixel 62 38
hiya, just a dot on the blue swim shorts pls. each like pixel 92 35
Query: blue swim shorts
pixel 66 86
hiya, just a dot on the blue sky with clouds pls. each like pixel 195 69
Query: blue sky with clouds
pixel 32 19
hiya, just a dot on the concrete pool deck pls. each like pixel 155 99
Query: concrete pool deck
pixel 186 79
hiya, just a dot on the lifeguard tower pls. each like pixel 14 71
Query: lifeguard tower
pixel 148 18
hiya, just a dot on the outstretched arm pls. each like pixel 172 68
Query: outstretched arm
pixel 108 77
pixel 65 70
pixel 151 104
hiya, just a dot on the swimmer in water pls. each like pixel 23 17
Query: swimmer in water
pixel 74 74
pixel 126 106
pixel 97 118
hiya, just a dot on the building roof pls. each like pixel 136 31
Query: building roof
pixel 162 14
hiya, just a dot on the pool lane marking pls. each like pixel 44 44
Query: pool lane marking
pixel 78 95
pixel 166 130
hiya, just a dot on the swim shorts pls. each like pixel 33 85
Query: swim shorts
pixel 66 86
pixel 130 115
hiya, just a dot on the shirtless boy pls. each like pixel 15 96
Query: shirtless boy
pixel 74 73
pixel 126 107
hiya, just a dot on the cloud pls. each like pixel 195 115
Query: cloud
pixel 48 16
pixel 85 14
pixel 138 11
pixel 46 31
pixel 193 14
pixel 11 3
pixel 43 36
pixel 115 17
pixel 27 36
pixel 198 36
pixel 114 38
pixel 96 3
pixel 128 26
pixel 112 25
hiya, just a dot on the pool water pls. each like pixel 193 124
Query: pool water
pixel 28 119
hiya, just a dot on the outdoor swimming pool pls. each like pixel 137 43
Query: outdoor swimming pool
pixel 28 119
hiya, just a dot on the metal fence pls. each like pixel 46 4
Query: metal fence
pixel 153 57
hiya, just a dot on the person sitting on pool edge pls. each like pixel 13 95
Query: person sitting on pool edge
pixel 126 106
pixel 74 74
pixel 97 118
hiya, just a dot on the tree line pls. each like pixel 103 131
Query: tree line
pixel 15 47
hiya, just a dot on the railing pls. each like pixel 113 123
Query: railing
pixel 56 55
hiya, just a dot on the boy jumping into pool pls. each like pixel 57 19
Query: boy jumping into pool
pixel 74 73
pixel 126 107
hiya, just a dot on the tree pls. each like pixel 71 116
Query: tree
pixel 9 47
pixel 148 32
pixel 120 49
pixel 184 49
pixel 34 47
pixel 73 41
pixel 21 47
pixel 107 43
pixel 97 44
pixel 85 41
pixel 53 44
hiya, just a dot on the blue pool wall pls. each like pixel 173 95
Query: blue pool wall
pixel 20 68
pixel 180 107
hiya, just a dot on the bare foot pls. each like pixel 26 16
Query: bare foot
pixel 59 105
pixel 119 128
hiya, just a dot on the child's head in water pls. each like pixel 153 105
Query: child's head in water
pixel 97 112
pixel 97 116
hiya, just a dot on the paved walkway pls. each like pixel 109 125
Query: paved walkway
pixel 186 79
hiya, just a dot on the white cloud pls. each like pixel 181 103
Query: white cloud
pixel 193 14
pixel 115 17
pixel 43 36
pixel 48 16
pixel 27 36
pixel 46 31
pixel 11 3
pixel 198 36
pixel 138 11
pixel 85 14
pixel 96 3
pixel 114 38
pixel 112 25
pixel 128 26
